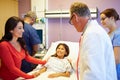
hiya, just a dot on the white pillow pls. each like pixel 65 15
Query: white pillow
pixel 73 47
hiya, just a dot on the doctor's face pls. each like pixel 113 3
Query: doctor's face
pixel 32 21
pixel 77 22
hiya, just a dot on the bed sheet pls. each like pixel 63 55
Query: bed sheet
pixel 44 76
pixel 73 46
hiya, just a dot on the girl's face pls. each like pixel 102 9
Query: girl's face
pixel 105 21
pixel 61 51
pixel 18 30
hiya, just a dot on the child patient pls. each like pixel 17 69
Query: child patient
pixel 58 63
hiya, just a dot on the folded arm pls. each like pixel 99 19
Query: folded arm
pixel 64 74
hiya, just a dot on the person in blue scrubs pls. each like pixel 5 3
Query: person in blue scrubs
pixel 31 38
pixel 109 18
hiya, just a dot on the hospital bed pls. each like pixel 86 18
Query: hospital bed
pixel 73 46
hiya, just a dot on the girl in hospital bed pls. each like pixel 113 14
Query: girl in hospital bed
pixel 57 64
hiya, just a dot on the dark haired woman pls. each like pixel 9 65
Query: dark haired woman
pixel 13 51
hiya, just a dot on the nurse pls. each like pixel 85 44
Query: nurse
pixel 109 18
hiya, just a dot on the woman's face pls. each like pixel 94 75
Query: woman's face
pixel 18 30
pixel 105 21
pixel 61 51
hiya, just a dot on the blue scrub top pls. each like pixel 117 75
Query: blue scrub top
pixel 31 37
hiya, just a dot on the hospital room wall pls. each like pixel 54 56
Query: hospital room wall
pixel 60 29
pixel 7 8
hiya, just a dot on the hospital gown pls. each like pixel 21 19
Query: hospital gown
pixel 55 65
pixel 58 65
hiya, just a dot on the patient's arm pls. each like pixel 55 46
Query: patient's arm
pixel 40 71
pixel 65 74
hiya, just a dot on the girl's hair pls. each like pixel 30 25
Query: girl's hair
pixel 66 49
pixel 11 23
pixel 111 12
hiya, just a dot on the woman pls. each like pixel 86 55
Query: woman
pixel 13 51
pixel 108 20
pixel 57 64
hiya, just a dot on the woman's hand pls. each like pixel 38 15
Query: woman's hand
pixel 40 71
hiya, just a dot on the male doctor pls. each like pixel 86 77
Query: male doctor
pixel 96 52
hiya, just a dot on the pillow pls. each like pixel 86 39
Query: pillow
pixel 73 47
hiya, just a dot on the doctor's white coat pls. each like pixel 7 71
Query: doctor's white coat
pixel 96 54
